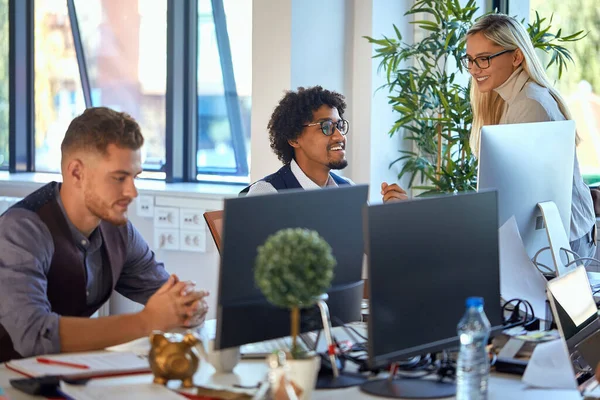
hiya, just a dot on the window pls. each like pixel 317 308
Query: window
pixel 580 85
pixel 4 79
pixel 224 88
pixel 125 47
pixel 58 93
pixel 89 53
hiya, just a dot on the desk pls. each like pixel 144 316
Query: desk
pixel 502 387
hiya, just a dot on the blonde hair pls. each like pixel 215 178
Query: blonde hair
pixel 508 33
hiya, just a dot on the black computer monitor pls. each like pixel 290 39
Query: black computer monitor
pixel 243 314
pixel 426 257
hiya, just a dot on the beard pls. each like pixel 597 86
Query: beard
pixel 338 164
pixel 100 209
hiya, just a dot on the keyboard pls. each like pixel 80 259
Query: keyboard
pixel 306 342
pixel 263 349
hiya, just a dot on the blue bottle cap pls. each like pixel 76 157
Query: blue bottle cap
pixel 474 302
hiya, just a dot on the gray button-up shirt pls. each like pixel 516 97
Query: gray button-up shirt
pixel 26 250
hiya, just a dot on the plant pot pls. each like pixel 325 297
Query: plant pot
pixel 303 373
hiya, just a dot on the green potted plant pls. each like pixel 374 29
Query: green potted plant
pixel 433 106
pixel 293 269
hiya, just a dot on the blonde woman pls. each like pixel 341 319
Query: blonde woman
pixel 510 86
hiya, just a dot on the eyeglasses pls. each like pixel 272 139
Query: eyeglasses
pixel 327 127
pixel 481 62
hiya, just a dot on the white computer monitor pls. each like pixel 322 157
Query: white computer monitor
pixel 530 164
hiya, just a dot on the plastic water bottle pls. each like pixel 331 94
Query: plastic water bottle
pixel 473 366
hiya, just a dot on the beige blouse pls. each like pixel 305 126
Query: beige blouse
pixel 526 101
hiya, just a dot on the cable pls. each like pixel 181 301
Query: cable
pixel 519 302
pixel 529 323
pixel 584 259
pixel 416 367
pixel 539 264
pixel 349 330
pixel 550 271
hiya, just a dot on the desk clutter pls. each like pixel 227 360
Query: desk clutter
pixel 81 365
pixel 416 299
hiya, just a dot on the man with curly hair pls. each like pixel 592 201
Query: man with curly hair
pixel 308 133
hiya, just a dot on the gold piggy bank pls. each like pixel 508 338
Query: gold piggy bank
pixel 173 356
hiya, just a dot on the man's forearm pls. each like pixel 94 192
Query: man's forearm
pixel 87 334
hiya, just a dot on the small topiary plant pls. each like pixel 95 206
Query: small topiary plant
pixel 293 268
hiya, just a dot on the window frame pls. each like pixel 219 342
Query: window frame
pixel 500 5
pixel 21 86
pixel 181 91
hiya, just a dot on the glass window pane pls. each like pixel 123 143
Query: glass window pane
pixel 4 79
pixel 580 84
pixel 216 154
pixel 125 47
pixel 58 94
pixel 124 44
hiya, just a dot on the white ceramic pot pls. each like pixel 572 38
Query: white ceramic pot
pixel 303 373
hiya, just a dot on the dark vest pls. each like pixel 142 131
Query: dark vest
pixel 66 278
pixel 285 179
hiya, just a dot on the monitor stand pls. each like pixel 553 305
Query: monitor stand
pixel 397 388
pixel 557 236
pixel 337 379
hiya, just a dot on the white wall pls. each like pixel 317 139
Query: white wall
pixel 271 76
pixel 384 149
pixel 318 42
pixel 295 43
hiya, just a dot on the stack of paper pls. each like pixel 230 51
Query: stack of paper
pixel 81 365
pixel 519 278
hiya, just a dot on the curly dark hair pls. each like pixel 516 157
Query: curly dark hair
pixel 294 110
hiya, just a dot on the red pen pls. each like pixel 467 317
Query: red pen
pixel 43 360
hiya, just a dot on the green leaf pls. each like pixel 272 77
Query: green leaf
pixel 398 34
pixel 430 24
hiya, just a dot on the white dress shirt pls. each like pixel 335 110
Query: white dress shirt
pixel 262 187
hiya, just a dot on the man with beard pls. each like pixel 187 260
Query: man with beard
pixel 66 247
pixel 308 133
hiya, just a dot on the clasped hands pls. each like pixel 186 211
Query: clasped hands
pixel 176 304
pixel 392 192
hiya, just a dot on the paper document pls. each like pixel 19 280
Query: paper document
pixel 139 347
pixel 550 367
pixel 142 391
pixel 97 363
pixel 519 278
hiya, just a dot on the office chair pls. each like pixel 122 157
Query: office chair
pixel 214 220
